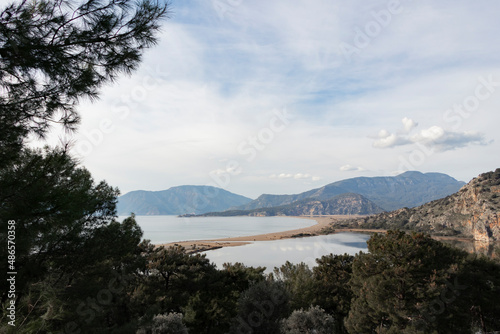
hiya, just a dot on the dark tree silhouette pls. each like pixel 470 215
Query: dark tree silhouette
pixel 54 53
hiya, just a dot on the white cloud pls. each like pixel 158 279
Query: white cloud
pixel 229 170
pixel 408 124
pixel 349 168
pixel 296 176
pixel 390 140
pixel 429 135
pixel 387 140
pixel 383 134
pixel 434 137
pixel 442 140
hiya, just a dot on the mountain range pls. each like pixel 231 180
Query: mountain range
pixel 408 189
pixel 473 211
pixel 360 195
pixel 343 204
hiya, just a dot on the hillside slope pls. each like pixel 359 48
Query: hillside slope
pixel 474 211
pixel 344 204
pixel 178 200
pixel 409 189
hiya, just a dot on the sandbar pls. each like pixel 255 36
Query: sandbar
pixel 195 246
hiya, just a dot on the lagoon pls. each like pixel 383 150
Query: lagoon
pixel 166 229
pixel 269 254
pixel 272 254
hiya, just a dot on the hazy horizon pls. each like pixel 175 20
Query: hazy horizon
pixel 318 186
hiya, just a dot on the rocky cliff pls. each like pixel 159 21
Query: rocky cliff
pixel 344 204
pixel 474 211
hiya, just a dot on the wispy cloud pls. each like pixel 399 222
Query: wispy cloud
pixel 443 140
pixel 349 168
pixel 434 137
pixel 215 78
pixel 296 176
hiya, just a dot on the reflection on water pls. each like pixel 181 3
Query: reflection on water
pixel 272 254
pixel 491 250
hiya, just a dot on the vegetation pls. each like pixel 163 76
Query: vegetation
pixel 343 204
pixel 314 320
pixel 471 213
pixel 81 271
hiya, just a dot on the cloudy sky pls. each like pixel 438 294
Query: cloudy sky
pixel 284 96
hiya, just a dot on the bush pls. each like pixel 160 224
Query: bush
pixel 170 323
pixel 314 320
pixel 261 308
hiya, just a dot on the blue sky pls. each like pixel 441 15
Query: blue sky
pixel 283 96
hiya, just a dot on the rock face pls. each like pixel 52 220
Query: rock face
pixel 344 204
pixel 474 211
pixel 409 189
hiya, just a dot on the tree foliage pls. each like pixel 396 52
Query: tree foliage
pixel 299 283
pixel 170 323
pixel 56 52
pixel 312 321
pixel 332 290
pixel 261 308
pixel 72 257
pixel 410 283
pixel 57 208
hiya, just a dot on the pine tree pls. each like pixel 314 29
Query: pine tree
pixel 410 283
pixel 53 53
pixel 56 52
pixel 332 290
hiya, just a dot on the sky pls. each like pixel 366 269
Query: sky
pixel 284 96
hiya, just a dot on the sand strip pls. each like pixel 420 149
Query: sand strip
pixel 195 246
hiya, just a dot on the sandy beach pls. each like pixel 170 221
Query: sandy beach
pixel 321 223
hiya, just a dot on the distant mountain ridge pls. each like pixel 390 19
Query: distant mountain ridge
pixel 409 189
pixel 378 194
pixel 473 211
pixel 179 200
pixel 343 204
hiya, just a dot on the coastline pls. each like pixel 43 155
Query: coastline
pixel 196 246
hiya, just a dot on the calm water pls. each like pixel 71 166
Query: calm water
pixel 164 229
pixel 272 254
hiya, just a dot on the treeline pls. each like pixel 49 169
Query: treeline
pixel 108 281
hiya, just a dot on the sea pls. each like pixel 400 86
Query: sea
pixel 269 254
pixel 166 229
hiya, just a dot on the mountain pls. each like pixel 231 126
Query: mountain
pixel 474 211
pixel 343 204
pixel 178 200
pixel 409 189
